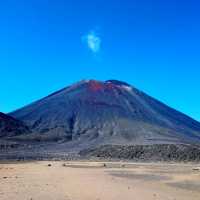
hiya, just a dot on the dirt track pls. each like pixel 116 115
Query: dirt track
pixel 99 181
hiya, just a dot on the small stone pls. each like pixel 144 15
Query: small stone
pixel 196 169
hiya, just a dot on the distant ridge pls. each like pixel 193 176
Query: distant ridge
pixel 11 127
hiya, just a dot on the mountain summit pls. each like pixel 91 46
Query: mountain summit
pixel 111 112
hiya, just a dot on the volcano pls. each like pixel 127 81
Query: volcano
pixel 93 113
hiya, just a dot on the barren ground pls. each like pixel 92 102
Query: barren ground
pixel 98 181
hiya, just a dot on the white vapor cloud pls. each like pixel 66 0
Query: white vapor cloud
pixel 93 41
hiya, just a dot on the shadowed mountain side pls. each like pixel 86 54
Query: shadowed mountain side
pixel 11 127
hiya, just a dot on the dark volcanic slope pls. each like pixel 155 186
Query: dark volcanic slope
pixel 157 152
pixel 11 127
pixel 110 112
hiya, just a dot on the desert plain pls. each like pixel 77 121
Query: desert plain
pixel 60 180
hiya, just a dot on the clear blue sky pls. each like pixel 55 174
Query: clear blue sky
pixel 48 44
